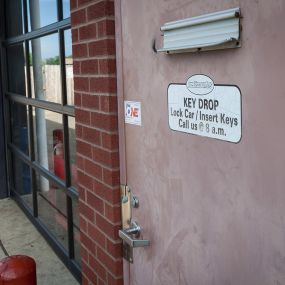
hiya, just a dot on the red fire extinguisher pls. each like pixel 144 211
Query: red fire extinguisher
pixel 18 270
pixel 58 153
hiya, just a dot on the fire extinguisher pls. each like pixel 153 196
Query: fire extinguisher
pixel 58 153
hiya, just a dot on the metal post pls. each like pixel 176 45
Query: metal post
pixel 39 93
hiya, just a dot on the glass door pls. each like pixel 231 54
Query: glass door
pixel 39 120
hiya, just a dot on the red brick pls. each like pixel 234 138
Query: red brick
pixel 94 202
pixel 108 103
pixel 104 121
pixel 81 84
pixel 103 85
pixel 88 243
pixel 100 270
pixel 102 47
pixel 83 224
pixel 90 101
pixel 105 226
pixel 82 193
pixel 115 249
pixel 113 213
pixel 91 135
pixel 111 177
pixel 99 192
pixel 82 116
pixel 79 162
pixel 85 180
pixel 84 254
pixel 106 28
pixel 78 17
pixel 93 169
pixel 74 34
pixel 77 99
pixel 101 9
pixel 78 131
pixel 113 196
pixel 85 280
pixel 107 66
pixel 76 68
pixel 86 211
pixel 96 235
pixel 109 159
pixel 114 266
pixel 110 141
pixel 84 2
pixel 101 282
pixel 89 67
pixel 88 32
pixel 113 281
pixel 79 50
pixel 73 4
pixel 84 148
pixel 90 274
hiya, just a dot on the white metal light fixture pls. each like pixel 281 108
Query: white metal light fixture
pixel 213 31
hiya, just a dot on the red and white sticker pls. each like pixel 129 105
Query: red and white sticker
pixel 133 113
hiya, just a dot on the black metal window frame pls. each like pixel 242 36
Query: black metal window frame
pixel 64 109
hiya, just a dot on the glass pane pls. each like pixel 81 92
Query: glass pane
pixel 66 8
pixel 16 69
pixel 69 67
pixel 52 209
pixel 76 231
pixel 22 180
pixel 14 18
pixel 49 141
pixel 19 118
pixel 41 13
pixel 77 255
pixel 46 80
pixel 72 150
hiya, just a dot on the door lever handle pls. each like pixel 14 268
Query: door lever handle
pixel 126 236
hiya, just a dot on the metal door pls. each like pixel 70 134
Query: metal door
pixel 212 210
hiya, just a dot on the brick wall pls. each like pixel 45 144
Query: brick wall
pixel 93 33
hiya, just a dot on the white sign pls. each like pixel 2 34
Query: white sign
pixel 133 113
pixel 215 114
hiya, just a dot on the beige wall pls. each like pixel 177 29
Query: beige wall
pixel 52 83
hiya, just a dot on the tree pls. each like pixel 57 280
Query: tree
pixel 52 60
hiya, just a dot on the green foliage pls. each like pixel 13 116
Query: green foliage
pixel 52 61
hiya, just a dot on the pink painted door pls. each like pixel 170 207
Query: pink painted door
pixel 213 210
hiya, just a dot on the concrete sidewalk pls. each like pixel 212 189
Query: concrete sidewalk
pixel 19 236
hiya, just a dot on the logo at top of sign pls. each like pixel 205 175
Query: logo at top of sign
pixel 200 84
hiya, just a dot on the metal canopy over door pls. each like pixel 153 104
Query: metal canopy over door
pixel 212 210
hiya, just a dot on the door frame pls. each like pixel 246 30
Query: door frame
pixel 121 123
pixel 3 159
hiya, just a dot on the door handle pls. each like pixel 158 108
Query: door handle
pixel 127 236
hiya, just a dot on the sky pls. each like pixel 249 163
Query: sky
pixel 48 15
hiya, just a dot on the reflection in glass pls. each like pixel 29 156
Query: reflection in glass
pixel 52 209
pixel 22 181
pixel 41 13
pixel 72 150
pixel 16 69
pixel 77 245
pixel 19 127
pixel 66 8
pixel 14 20
pixel 46 83
pixel 76 230
pixel 69 67
pixel 49 141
